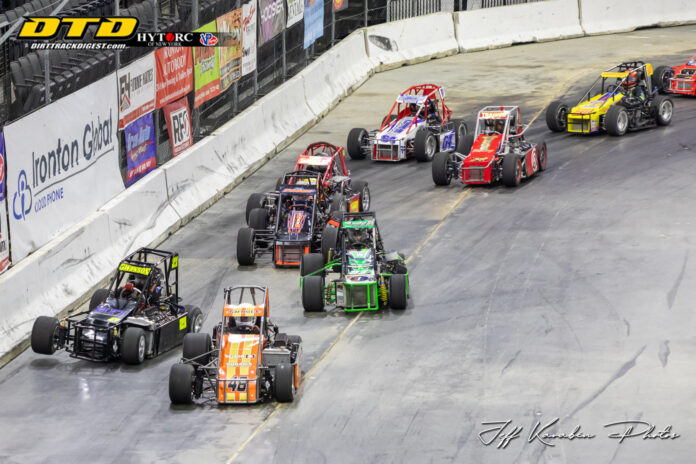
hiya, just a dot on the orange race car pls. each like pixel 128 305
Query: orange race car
pixel 245 361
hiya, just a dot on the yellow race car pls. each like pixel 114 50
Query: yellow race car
pixel 623 98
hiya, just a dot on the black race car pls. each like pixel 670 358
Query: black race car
pixel 137 317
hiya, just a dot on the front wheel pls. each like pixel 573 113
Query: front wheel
pixel 98 298
pixel 181 382
pixel 194 319
pixel 460 130
pixel 464 145
pixel 245 246
pixel 357 138
pixel 45 335
pixel 134 345
pixel 661 77
pixel 512 170
pixel 616 120
pixel 424 145
pixel 557 116
pixel 360 186
pixel 442 175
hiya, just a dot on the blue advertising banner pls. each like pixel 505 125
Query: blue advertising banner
pixel 313 21
pixel 141 150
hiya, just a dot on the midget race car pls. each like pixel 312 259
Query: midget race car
pixel 245 361
pixel 623 98
pixel 496 151
pixel 288 222
pixel 677 79
pixel 368 276
pixel 418 125
pixel 137 317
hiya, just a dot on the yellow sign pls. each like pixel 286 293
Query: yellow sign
pixel 175 262
pixel 125 267
pixel 47 27
pixel 182 323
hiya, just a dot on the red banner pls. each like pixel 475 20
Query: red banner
pixel 174 73
pixel 179 124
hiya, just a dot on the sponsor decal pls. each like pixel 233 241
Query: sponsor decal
pixel 136 90
pixel 125 267
pixel 272 14
pixel 313 21
pixel 295 12
pixel 178 119
pixel 206 70
pixel 141 150
pixel 174 74
pixel 249 11
pixel 231 51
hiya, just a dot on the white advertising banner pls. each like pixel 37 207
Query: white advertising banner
pixel 62 164
pixel 136 90
pixel 249 37
pixel 295 12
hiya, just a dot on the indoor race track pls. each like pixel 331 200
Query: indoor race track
pixel 570 296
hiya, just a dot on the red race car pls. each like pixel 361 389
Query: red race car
pixel 677 79
pixel 496 151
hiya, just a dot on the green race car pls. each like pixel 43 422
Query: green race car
pixel 368 276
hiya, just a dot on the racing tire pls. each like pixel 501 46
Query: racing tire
pixel 197 348
pixel 398 297
pixel 338 203
pixel 542 156
pixel 616 120
pixel 245 246
pixel 329 239
pixel 557 116
pixel 44 335
pixel 255 200
pixel 98 297
pixel 258 219
pixel 460 130
pixel 660 78
pixel 464 145
pixel 390 118
pixel 134 345
pixel 424 146
pixel 194 319
pixel 355 143
pixel 360 186
pixel 284 383
pixel 512 170
pixel 313 293
pixel 181 380
pixel 664 110
pixel 311 263
pixel 441 175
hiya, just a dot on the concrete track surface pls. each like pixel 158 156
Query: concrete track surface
pixel 570 297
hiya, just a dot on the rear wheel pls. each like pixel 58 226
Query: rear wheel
pixel 338 203
pixel 541 156
pixel 464 145
pixel 194 319
pixel 390 119
pixel 664 109
pixel 258 219
pixel 311 263
pixel 329 240
pixel 441 174
pixel 557 116
pixel 357 138
pixel 98 298
pixel 398 297
pixel 512 170
pixel 181 381
pixel 134 345
pixel 313 293
pixel 616 120
pixel 284 383
pixel 660 78
pixel 245 246
pixel 255 200
pixel 45 335
pixel 424 145
pixel 460 130
pixel 360 186
pixel 197 348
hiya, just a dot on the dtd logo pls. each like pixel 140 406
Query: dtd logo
pixel 23 191
pixel 181 129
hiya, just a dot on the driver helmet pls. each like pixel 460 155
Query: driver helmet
pixel 631 80
pixel 245 323
pixel 127 290
pixel 412 107
pixel 499 125
pixel 357 236
pixel 139 282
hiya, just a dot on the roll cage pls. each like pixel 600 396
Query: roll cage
pixel 239 295
pixel 422 96
pixel 620 73
pixel 334 153
pixel 143 262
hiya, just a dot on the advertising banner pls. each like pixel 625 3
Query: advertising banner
pixel 4 239
pixel 313 21
pixel 206 67
pixel 272 14
pixel 136 84
pixel 295 12
pixel 66 169
pixel 179 125
pixel 339 5
pixel 231 50
pixel 174 77
pixel 249 37
pixel 141 150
